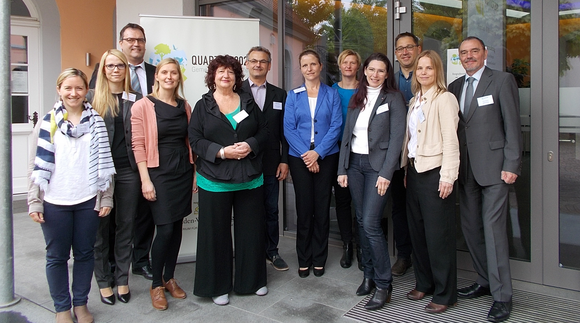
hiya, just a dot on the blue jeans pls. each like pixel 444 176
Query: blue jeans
pixel 271 191
pixel 69 226
pixel 369 206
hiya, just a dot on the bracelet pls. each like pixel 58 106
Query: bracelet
pixel 222 153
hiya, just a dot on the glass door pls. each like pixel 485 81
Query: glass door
pixel 505 26
pixel 562 146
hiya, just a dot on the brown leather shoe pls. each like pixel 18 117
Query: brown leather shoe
pixel 415 295
pixel 436 308
pixel 64 317
pixel 174 289
pixel 400 267
pixel 158 299
pixel 83 315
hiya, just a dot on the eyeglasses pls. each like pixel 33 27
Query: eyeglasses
pixel 132 40
pixel 408 48
pixel 111 67
pixel 255 61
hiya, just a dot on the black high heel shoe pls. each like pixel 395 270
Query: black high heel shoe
pixel 124 298
pixel 303 273
pixel 379 299
pixel 109 300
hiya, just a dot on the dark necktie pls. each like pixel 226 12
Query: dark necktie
pixel 468 95
pixel 135 79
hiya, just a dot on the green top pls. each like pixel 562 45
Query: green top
pixel 212 186
pixel 231 115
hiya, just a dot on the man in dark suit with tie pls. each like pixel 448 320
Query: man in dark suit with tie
pixel 132 43
pixel 271 101
pixel 490 152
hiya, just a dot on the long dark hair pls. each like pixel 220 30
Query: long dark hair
pixel 359 98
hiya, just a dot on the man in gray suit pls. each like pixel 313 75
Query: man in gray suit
pixel 490 151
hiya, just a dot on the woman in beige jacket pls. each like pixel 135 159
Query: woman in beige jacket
pixel 431 159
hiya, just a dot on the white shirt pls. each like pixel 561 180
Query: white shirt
pixel 142 75
pixel 360 134
pixel 312 104
pixel 476 78
pixel 69 183
pixel 413 122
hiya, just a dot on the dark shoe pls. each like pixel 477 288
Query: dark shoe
pixel 415 295
pixel 174 289
pixel 500 311
pixel 473 291
pixel 401 265
pixel 144 271
pixel 158 299
pixel 278 263
pixel 366 287
pixel 346 260
pixel 109 300
pixel 318 272
pixel 435 308
pixel 359 258
pixel 303 273
pixel 379 299
pixel 124 298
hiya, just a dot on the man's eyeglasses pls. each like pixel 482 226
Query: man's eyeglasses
pixel 408 48
pixel 132 40
pixel 255 61
pixel 112 67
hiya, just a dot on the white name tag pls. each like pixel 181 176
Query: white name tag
pixel 241 116
pixel 300 89
pixel 485 100
pixel 383 108
pixel 129 96
pixel 277 106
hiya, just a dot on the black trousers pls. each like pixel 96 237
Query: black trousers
pixel 143 228
pixel 127 195
pixel 312 192
pixel 214 259
pixel 399 215
pixel 432 228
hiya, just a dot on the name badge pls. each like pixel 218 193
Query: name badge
pixel 300 89
pixel 277 106
pixel 129 96
pixel 383 108
pixel 421 115
pixel 485 100
pixel 241 116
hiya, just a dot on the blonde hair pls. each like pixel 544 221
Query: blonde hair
pixel 104 102
pixel 439 73
pixel 178 88
pixel 349 52
pixel 71 72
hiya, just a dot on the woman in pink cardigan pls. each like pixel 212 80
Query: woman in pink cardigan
pixel 165 164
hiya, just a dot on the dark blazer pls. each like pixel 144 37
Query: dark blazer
pixel 110 124
pixel 149 72
pixel 490 135
pixel 385 130
pixel 210 130
pixel 276 151
pixel 327 121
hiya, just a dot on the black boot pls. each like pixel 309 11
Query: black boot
pixel 379 299
pixel 346 260
pixel 359 258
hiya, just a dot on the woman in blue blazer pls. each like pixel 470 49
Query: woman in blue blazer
pixel 312 123
pixel 373 135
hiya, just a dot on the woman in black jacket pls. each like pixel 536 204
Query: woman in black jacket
pixel 228 133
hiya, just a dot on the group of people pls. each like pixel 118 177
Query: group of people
pixel 128 141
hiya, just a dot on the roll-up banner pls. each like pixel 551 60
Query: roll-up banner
pixel 194 42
